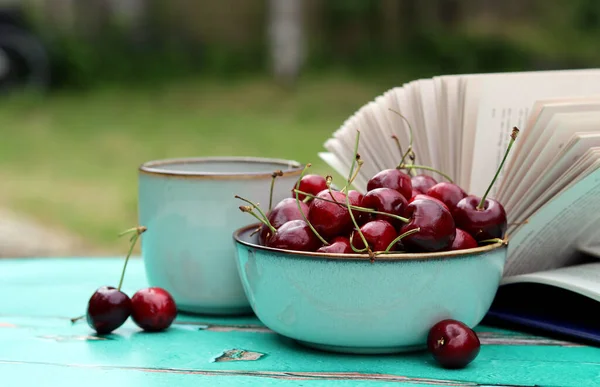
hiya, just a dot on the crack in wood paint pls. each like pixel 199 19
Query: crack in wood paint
pixel 286 375
pixel 238 355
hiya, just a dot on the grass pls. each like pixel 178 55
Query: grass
pixel 70 159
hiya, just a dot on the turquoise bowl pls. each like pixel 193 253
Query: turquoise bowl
pixel 345 303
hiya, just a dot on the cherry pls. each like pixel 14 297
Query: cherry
pixel 427 197
pixel 330 219
pixel 394 179
pixel 437 228
pixel 448 193
pixel 422 183
pixel 486 223
pixel 108 309
pixel 378 233
pixel 294 235
pixel 385 200
pixel 453 344
pixel 153 309
pixel 284 211
pixel 484 218
pixel 415 193
pixel 312 184
pixel 338 245
pixel 355 198
pixel 463 240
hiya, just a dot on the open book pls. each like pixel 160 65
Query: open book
pixel 549 186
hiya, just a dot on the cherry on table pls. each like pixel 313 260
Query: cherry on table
pixel 153 309
pixel 453 344
pixel 108 309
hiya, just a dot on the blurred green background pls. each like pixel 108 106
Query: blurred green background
pixel 120 82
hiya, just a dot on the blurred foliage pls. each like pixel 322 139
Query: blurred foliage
pixel 422 39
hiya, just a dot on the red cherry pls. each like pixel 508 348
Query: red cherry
pixel 294 235
pixel 355 198
pixel 437 228
pixel 415 193
pixel 394 179
pixel 463 240
pixel 385 200
pixel 450 194
pixel 453 344
pixel 330 219
pixel 427 197
pixel 422 183
pixel 312 184
pixel 108 309
pixel 153 309
pixel 284 211
pixel 486 223
pixel 378 233
pixel 338 245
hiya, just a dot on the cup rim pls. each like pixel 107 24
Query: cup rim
pixel 288 167
pixel 237 236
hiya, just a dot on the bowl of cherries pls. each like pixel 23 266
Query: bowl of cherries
pixel 409 264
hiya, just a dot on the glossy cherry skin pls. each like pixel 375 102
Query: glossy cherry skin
pixel 422 183
pixel 338 245
pixel 437 228
pixel 284 211
pixel 108 308
pixel 453 344
pixel 385 200
pixel 394 179
pixel 378 233
pixel 153 309
pixel 463 240
pixel 330 219
pixel 294 235
pixel 450 194
pixel 487 223
pixel 312 184
pixel 355 198
pixel 427 197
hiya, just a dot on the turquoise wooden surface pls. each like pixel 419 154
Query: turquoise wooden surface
pixel 40 346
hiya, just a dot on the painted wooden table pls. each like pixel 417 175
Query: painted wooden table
pixel 40 347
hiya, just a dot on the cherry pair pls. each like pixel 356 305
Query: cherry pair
pixel 152 309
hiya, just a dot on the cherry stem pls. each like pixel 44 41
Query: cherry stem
pixel 300 208
pixel 254 205
pixel 356 159
pixel 493 240
pixel 397 140
pixel 410 133
pixel 138 231
pixel 409 232
pixel 351 239
pixel 354 175
pixel 356 208
pixel 402 166
pixel 75 319
pixel 273 177
pixel 250 210
pixel 513 137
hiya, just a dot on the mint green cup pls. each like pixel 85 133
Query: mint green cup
pixel 190 212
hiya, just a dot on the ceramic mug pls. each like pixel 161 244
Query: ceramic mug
pixel 189 208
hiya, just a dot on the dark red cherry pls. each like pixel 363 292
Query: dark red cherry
pixel 415 193
pixel 284 211
pixel 437 228
pixel 385 200
pixel 378 233
pixel 486 223
pixel 394 179
pixel 427 197
pixel 312 184
pixel 450 194
pixel 422 183
pixel 355 198
pixel 153 309
pixel 108 309
pixel 338 245
pixel 330 219
pixel 453 344
pixel 463 240
pixel 294 235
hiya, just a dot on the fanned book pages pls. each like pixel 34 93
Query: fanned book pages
pixel 549 186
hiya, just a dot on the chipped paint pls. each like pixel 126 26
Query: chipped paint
pixel 225 327
pixel 238 355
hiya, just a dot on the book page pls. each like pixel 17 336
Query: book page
pixel 550 238
pixel 583 279
pixel 450 139
pixel 505 101
pixel 428 118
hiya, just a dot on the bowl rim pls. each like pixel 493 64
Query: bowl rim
pixel 355 256
pixel 288 167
